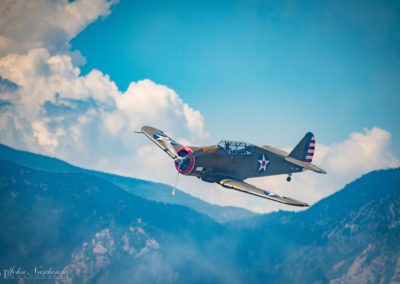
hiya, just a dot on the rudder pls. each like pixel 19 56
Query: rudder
pixel 304 151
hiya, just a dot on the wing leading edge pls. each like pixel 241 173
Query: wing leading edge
pixel 251 189
pixel 162 140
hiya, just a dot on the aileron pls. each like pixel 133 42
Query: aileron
pixel 251 189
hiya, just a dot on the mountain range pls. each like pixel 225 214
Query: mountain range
pixel 148 190
pixel 59 217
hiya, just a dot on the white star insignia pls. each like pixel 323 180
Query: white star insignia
pixel 263 164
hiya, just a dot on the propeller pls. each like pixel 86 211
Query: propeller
pixel 176 182
pixel 180 160
pixel 177 159
pixel 173 153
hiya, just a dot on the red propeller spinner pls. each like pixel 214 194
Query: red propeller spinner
pixel 186 166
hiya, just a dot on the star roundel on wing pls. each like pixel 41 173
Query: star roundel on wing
pixel 263 162
pixel 164 138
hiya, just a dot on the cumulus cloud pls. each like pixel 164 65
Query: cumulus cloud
pixel 361 153
pixel 51 24
pixel 86 119
pixel 48 107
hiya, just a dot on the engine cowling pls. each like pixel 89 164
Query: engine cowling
pixel 187 166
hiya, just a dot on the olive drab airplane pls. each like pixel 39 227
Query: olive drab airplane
pixel 231 162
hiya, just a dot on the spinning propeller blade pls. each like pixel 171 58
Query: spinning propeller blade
pixel 177 159
pixel 176 182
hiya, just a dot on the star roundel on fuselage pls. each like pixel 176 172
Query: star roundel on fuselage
pixel 262 163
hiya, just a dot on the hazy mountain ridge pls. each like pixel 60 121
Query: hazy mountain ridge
pixel 107 235
pixel 149 190
pixel 349 237
pixel 361 246
pixel 53 219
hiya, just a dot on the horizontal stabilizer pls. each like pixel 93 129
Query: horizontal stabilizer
pixel 305 165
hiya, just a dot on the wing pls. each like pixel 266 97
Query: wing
pixel 162 140
pixel 251 189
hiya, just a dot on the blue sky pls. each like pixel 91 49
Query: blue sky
pixel 261 71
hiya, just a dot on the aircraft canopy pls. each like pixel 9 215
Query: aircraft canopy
pixel 236 147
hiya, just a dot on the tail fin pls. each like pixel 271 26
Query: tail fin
pixel 304 151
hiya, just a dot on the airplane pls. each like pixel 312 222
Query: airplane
pixel 229 163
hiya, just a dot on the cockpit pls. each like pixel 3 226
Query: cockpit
pixel 236 147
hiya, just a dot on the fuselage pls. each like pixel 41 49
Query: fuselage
pixel 217 163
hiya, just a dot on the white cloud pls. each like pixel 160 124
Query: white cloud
pixel 28 24
pixel 145 102
pixel 44 137
pixel 361 153
pixel 86 119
